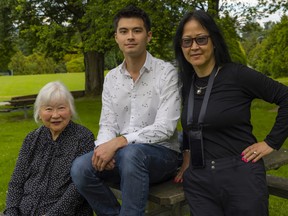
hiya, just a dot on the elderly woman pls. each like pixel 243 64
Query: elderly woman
pixel 41 182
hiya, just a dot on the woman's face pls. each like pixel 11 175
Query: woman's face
pixel 55 116
pixel 201 54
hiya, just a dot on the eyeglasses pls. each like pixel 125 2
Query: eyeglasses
pixel 200 40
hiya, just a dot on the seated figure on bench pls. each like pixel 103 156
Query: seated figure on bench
pixel 226 174
pixel 41 182
pixel 137 141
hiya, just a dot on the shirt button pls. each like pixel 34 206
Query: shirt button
pixel 212 167
pixel 212 162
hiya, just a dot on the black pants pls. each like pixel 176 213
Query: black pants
pixel 227 187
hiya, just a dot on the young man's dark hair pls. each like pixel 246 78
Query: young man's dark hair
pixel 132 11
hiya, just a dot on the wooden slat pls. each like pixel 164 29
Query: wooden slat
pixel 167 193
pixel 277 186
pixel 276 159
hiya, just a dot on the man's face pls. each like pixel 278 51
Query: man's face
pixel 132 37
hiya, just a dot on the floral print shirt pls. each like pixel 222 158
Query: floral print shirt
pixel 145 110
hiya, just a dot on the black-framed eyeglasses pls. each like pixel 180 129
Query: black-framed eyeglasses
pixel 200 40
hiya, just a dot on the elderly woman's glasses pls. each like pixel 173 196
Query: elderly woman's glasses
pixel 200 40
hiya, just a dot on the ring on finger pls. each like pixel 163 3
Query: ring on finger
pixel 255 152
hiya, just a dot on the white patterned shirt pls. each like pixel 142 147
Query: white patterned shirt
pixel 144 111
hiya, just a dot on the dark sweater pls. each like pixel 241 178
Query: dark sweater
pixel 41 182
pixel 227 129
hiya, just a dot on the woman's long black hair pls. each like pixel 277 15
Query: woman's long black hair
pixel 221 52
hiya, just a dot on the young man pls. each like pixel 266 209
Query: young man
pixel 137 140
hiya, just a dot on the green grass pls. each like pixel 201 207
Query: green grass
pixel 14 127
pixel 31 84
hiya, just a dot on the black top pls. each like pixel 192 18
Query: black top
pixel 41 182
pixel 227 129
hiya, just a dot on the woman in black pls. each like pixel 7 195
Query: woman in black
pixel 226 174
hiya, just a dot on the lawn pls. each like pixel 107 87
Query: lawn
pixel 30 84
pixel 14 127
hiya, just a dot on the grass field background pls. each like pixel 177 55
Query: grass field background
pixel 11 86
pixel 14 127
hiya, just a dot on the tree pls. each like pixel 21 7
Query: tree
pixel 7 33
pixel 228 27
pixel 251 34
pixel 58 27
pixel 270 56
pixel 61 27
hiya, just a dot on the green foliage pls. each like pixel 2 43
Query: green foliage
pixel 165 16
pixel 37 63
pixel 251 34
pixel 113 58
pixel 75 65
pixel 57 27
pixel 32 64
pixel 7 37
pixel 228 27
pixel 270 54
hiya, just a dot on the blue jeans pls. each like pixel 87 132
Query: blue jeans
pixel 137 166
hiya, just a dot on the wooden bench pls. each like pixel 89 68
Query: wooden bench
pixel 26 102
pixel 164 199
pixel 277 186
pixel 168 198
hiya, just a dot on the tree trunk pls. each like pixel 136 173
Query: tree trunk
pixel 94 73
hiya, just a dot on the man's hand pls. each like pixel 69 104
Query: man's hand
pixel 104 153
pixel 110 165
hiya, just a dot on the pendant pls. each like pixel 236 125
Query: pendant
pixel 199 91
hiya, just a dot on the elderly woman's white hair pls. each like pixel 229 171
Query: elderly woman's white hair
pixel 53 92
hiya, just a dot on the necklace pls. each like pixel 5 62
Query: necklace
pixel 200 89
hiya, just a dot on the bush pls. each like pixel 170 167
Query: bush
pixel 32 64
pixel 75 65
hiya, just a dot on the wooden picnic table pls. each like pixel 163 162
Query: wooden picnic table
pixel 19 105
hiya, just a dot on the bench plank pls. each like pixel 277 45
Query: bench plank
pixel 168 197
pixel 276 159
pixel 167 193
pixel 277 186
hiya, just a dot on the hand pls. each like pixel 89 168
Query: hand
pixel 110 165
pixel 256 151
pixel 186 160
pixel 102 155
pixel 105 152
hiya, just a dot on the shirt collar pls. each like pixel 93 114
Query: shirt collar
pixel 147 67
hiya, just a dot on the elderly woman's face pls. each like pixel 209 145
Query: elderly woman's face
pixel 55 116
